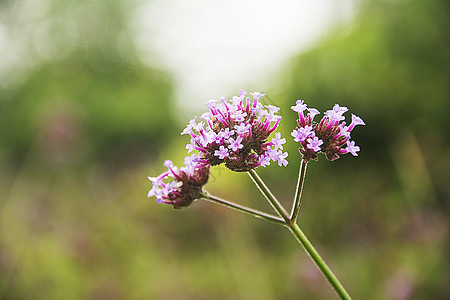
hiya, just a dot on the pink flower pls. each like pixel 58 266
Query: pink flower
pixel 236 133
pixel 329 136
pixel 222 152
pixel 186 185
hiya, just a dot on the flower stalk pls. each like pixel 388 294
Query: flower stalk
pixel 244 209
pixel 290 222
pixel 320 263
pixel 298 191
pixel 269 196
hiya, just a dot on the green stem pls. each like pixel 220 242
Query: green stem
pixel 269 196
pixel 298 233
pixel 320 263
pixel 244 209
pixel 298 191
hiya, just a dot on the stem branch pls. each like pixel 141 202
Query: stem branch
pixel 298 191
pixel 290 222
pixel 244 209
pixel 269 196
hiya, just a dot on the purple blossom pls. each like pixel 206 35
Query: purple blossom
pixel 226 133
pixel 189 127
pixel 329 136
pixel 336 113
pixel 239 116
pixel 222 152
pixel 352 148
pixel 299 106
pixel 264 161
pixel 206 116
pixel 281 158
pixel 186 185
pixel 235 144
pixel 236 100
pixel 256 95
pixel 355 121
pixel 277 141
pixel 257 109
pixel 313 112
pixel 211 104
pixel 191 146
pixel 302 133
pixel 314 144
pixel 241 127
pixel 191 163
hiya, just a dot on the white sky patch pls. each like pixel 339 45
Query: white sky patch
pixel 214 48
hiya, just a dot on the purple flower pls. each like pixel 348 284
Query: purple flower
pixel 186 186
pixel 336 113
pixel 355 121
pixel 242 129
pixel 222 152
pixel 256 95
pixel 299 106
pixel 235 144
pixel 226 133
pixel 278 142
pixel 239 116
pixel 281 158
pixel 264 161
pixel 329 136
pixel 236 133
pixel 313 112
pixel 302 133
pixel 314 144
pixel 189 127
pixel 352 148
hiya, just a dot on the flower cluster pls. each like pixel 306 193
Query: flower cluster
pixel 236 133
pixel 186 185
pixel 330 136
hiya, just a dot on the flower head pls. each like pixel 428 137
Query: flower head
pixel 329 136
pixel 186 186
pixel 236 133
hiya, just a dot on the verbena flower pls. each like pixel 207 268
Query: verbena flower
pixel 185 186
pixel 236 133
pixel 329 136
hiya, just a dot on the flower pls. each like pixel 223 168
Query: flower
pixel 236 133
pixel 186 186
pixel 222 152
pixel 329 136
pixel 302 133
pixel 235 144
pixel 352 148
pixel 299 106
pixel 278 142
pixel 314 144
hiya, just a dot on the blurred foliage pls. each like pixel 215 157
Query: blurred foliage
pixel 391 67
pixel 84 122
pixel 83 84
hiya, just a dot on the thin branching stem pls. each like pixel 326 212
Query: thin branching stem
pixel 297 232
pixel 298 191
pixel 244 209
pixel 269 196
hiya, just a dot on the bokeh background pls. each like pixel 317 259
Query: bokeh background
pixel 90 105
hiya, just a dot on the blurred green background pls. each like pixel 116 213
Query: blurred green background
pixel 84 122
